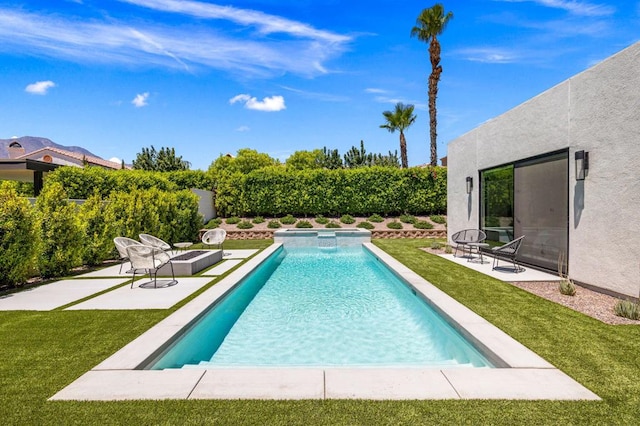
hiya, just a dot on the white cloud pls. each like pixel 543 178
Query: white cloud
pixel 575 7
pixel 374 90
pixel 269 104
pixel 243 129
pixel 191 43
pixel 141 100
pixel 115 160
pixel 488 55
pixel 39 87
pixel 267 24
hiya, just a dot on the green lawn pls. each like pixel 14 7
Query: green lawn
pixel 42 352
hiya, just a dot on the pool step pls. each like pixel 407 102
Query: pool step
pixel 327 240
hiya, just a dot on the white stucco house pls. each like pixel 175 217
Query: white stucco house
pixel 527 175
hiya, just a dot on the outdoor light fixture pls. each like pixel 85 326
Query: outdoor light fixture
pixel 582 165
pixel 470 184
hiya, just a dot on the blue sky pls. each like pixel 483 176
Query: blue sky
pixel 209 77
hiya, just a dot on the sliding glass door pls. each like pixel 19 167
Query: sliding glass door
pixel 529 198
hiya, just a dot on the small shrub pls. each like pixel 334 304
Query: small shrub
pixel 304 224
pixel 422 224
pixel 436 245
pixel 448 249
pixel 436 218
pixel 321 220
pixel 333 224
pixel 365 225
pixel 273 224
pixel 245 224
pixel 213 223
pixel 567 287
pixel 627 309
pixel 376 218
pixel 258 219
pixel 407 218
pixel 347 219
pixel 232 220
pixel 394 225
pixel 288 220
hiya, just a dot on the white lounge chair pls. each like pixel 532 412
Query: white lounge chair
pixel 152 241
pixel 148 259
pixel 214 237
pixel 121 244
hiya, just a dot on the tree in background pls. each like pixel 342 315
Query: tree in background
pixel 246 160
pixel 303 160
pixel 355 158
pixel 431 23
pixel 163 161
pixel 331 159
pixel 400 119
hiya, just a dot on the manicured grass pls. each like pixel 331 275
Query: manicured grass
pixel 41 352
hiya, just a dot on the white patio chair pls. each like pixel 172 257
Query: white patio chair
pixel 149 260
pixel 152 241
pixel 121 244
pixel 214 237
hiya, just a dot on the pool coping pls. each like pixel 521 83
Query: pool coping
pixel 523 374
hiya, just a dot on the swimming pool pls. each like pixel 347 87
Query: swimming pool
pixel 520 373
pixel 310 306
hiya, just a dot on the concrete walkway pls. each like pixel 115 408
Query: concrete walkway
pixel 54 295
pixel 504 272
pixel 138 297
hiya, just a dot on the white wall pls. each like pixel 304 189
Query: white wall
pixel 597 111
pixel 205 204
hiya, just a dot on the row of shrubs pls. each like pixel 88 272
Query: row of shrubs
pixel 275 191
pixel 54 236
pixel 82 183
pixel 328 223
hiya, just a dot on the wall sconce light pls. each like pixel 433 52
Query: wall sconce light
pixel 469 184
pixel 582 164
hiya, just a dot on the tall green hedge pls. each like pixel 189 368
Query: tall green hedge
pixel 170 216
pixel 81 183
pixel 277 191
pixel 61 232
pixel 19 239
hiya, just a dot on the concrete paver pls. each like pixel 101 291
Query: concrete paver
pixel 144 298
pixel 282 383
pixel 56 294
pixel 504 272
pixel 132 384
pixel 221 268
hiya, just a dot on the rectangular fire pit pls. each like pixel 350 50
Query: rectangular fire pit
pixel 191 262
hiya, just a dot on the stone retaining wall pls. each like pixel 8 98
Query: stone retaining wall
pixel 250 234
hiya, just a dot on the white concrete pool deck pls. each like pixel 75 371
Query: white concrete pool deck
pixel 522 373
pixel 119 295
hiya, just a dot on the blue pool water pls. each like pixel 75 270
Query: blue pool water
pixel 315 307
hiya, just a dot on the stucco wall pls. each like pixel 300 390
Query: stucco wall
pixel 205 204
pixel 597 111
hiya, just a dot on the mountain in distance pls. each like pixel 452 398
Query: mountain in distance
pixel 33 143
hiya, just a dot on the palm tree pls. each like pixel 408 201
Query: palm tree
pixel 400 119
pixel 430 24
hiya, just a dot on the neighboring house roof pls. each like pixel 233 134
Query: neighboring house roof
pixel 74 156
